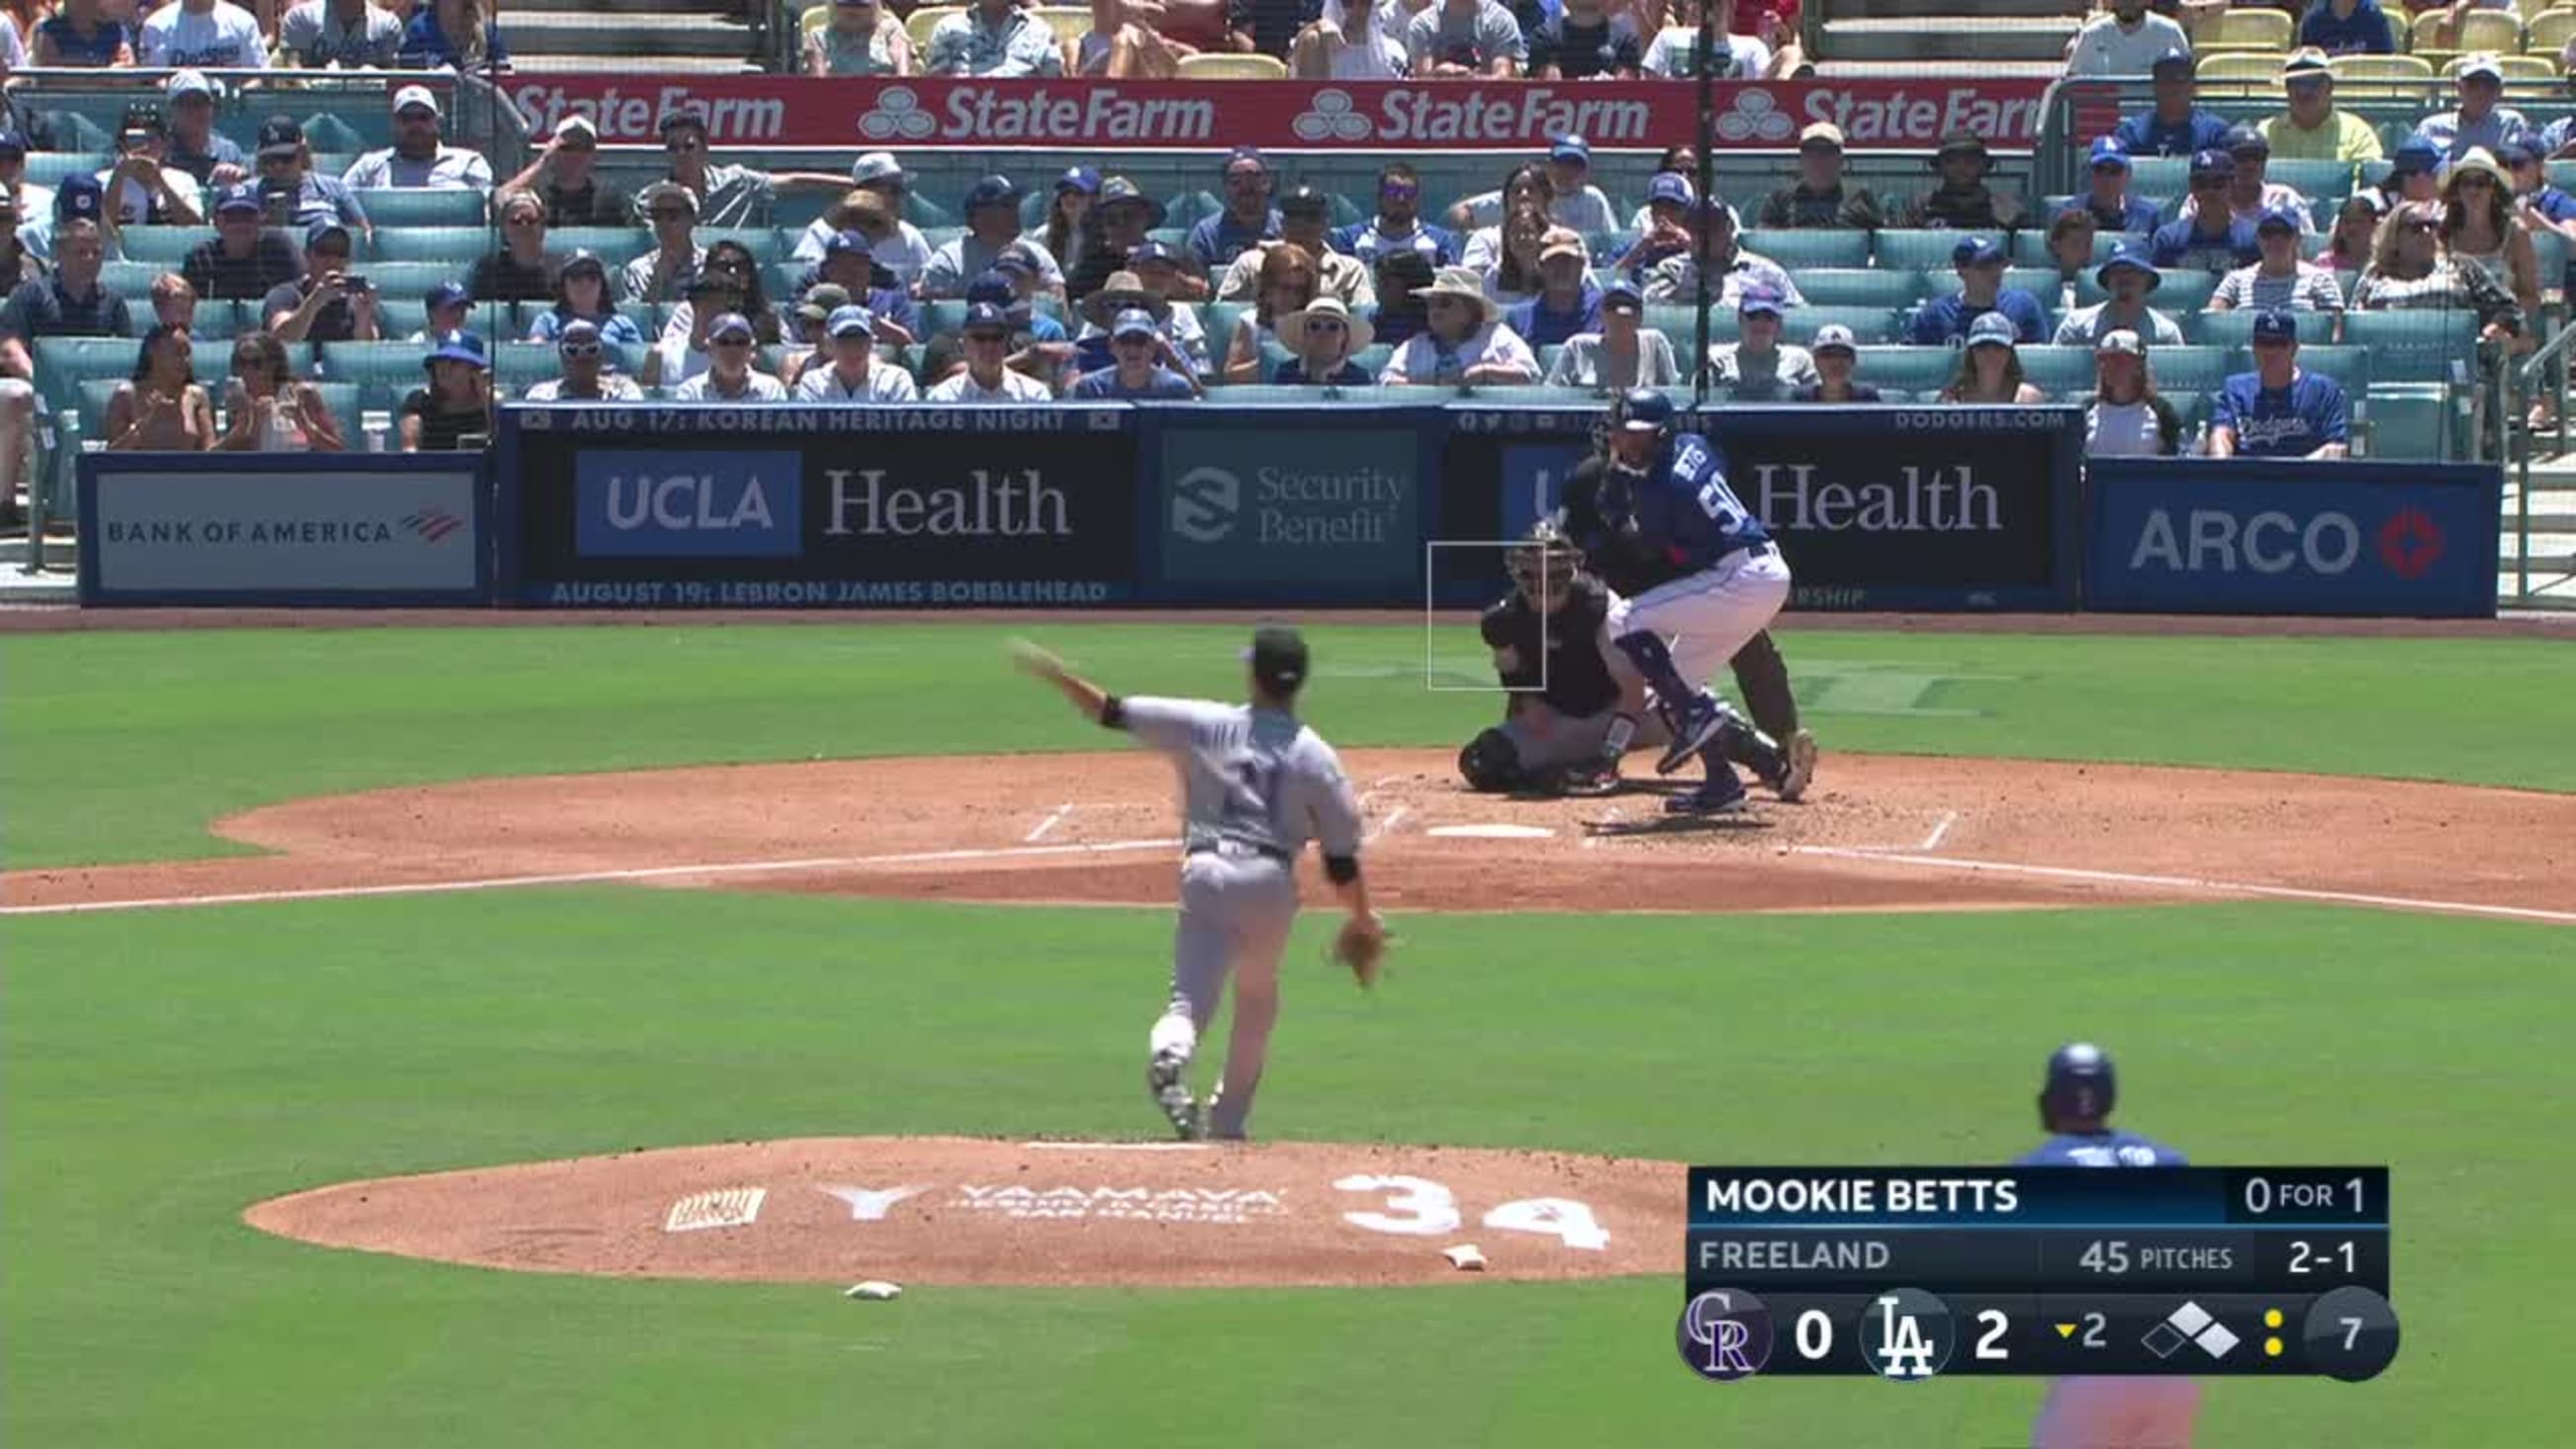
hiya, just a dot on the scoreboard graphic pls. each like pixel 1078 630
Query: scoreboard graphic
pixel 1909 1273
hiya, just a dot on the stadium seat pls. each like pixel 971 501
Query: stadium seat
pixel 2518 69
pixel 456 247
pixel 781 279
pixel 921 22
pixel 2420 345
pixel 1269 393
pixel 613 245
pixel 946 315
pixel 1861 286
pixel 1799 248
pixel 64 363
pixel 383 372
pixel 48 168
pixel 2240 65
pixel 2189 370
pixel 1910 369
pixel 2058 371
pixel 401 316
pixel 413 279
pixel 2159 177
pixel 2414 420
pixel 2350 366
pixel 2550 31
pixel 2040 282
pixel 132 281
pixel 2324 183
pixel 1868 324
pixel 2265 30
pixel 390 206
pixel 2351 71
pixel 163 246
pixel 517 364
pixel 1207 66
pixel 2235 328
pixel 2494 30
pixel 2030 247
pixel 1925 250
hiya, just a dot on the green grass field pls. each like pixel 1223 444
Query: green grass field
pixel 159 1071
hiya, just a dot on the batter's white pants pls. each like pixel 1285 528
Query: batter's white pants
pixel 1706 617
pixel 2117 1413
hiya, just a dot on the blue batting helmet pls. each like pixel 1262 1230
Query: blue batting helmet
pixel 1643 410
pixel 2079 1082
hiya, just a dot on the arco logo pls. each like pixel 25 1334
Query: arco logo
pixel 2410 543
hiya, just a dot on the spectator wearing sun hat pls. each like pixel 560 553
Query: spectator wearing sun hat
pixel 2314 128
pixel 1963 199
pixel 2478 121
pixel 420 157
pixel 2128 276
pixel 1322 339
pixel 1464 341
pixel 1824 196
pixel 1759 367
pixel 1620 352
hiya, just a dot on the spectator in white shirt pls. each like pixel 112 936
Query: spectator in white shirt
pixel 1361 40
pixel 2283 281
pixel 732 351
pixel 855 375
pixel 1464 342
pixel 202 34
pixel 419 156
pixel 2478 121
pixel 1674 52
pixel 988 376
pixel 1564 177
pixel 2127 418
pixel 2125 42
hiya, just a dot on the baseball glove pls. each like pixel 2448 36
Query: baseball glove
pixel 1361 946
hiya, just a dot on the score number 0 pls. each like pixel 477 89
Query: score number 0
pixel 1813 1334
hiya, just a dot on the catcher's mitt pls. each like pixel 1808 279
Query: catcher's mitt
pixel 1361 946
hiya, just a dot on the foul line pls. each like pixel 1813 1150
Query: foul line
pixel 2184 882
pixel 1932 841
pixel 586 877
pixel 1039 832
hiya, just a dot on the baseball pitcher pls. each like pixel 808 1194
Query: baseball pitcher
pixel 1562 729
pixel 2090 1412
pixel 1256 786
pixel 1700 578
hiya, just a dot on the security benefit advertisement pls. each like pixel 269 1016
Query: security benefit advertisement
pixel 2265 536
pixel 777 507
pixel 1874 507
pixel 1268 504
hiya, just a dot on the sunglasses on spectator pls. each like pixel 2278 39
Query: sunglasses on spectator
pixel 1325 324
pixel 1399 193
pixel 2420 224
pixel 580 349
pixel 731 339
pixel 681 146
pixel 2474 178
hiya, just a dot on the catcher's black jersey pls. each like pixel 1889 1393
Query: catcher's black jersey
pixel 1578 681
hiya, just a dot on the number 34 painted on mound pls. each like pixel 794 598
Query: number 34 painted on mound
pixel 1417 1207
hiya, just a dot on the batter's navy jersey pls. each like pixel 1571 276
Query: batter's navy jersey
pixel 1558 654
pixel 2289 422
pixel 1675 519
pixel 2100 1149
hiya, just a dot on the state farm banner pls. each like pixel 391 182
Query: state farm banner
pixel 814 111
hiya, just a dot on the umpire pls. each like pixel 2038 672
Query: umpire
pixel 1562 731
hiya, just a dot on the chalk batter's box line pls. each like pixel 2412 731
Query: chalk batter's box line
pixel 1431 617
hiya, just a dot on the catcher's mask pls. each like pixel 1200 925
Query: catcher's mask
pixel 1543 566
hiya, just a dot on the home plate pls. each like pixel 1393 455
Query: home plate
pixel 1496 831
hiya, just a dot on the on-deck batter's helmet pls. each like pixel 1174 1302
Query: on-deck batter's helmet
pixel 1642 410
pixel 2080 1083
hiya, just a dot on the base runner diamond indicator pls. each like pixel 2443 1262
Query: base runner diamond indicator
pixel 2162 1340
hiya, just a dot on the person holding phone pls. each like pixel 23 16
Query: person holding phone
pixel 329 303
pixel 141 190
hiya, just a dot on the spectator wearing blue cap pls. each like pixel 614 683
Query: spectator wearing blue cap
pixel 2280 409
pixel 214 34
pixel 733 367
pixel 1584 40
pixel 850 262
pixel 289 190
pixel 1465 38
pixel 1323 340
pixel 1354 40
pixel 1824 198
pixel 2108 197
pixel 2477 121
pixel 1013 283
pixel 455 410
pixel 1147 287
pixel 1247 219
pixel 2175 125
pixel 2283 281
pixel 1397 226
pixel 1305 222
pixel 241 262
pixel 2535 194
pixel 726 194
pixel 329 303
pixel 992 228
pixel 854 375
pixel 2414 172
pixel 2125 42
pixel 444 308
pixel 1732 270
pixel 1039 346
pixel 1979 260
pixel 2314 128
pixel 2249 194
pixel 988 376
pixel 453 35
pixel 863 37
pixel 1059 233
pixel 420 158
pixel 993 38
pixel 584 374
pixel 2212 238
pixel 2128 276
pixel 1573 201
pixel 2348 27
pixel 1620 352
pixel 1136 370
pixel 1663 226
pixel 1758 366
pixel 1989 370
pixel 339 35
pixel 73 302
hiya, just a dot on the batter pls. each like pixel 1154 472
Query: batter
pixel 1256 786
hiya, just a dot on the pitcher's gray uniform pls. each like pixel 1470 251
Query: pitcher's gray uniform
pixel 1256 786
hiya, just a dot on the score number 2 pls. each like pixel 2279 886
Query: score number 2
pixel 1417 1207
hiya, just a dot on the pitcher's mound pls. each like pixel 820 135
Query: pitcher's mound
pixel 969 1210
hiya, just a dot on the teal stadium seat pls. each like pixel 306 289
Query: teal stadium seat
pixel 64 363
pixel 1868 324
pixel 1266 394
pixel 2058 371
pixel 383 372
pixel 2236 328
pixel 412 279
pixel 2190 370
pixel 2414 346
pixel 1924 250
pixel 407 206
pixel 95 394
pixel 48 168
pixel 2160 177
pixel 455 247
pixel 1797 249
pixel 1908 369
pixel 517 364
pixel 401 316
pixel 163 246
pixel 1863 286
pixel 762 241
pixel 2040 282
pixel 614 245
pixel 947 314
pixel 133 281
pixel 2348 365
pixel 2030 247
pixel 2417 420
pixel 2324 183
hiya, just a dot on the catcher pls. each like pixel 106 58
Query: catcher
pixel 1562 731
pixel 1256 785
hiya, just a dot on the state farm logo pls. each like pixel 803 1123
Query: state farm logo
pixel 1756 116
pixel 898 116
pixel 1205 504
pixel 1333 117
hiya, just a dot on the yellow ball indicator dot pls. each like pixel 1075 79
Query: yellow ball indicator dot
pixel 2272 1319
pixel 2271 1348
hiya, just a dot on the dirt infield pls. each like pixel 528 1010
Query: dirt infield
pixel 966 1210
pixel 1879 832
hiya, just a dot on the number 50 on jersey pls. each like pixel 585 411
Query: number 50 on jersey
pixel 1909 1273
